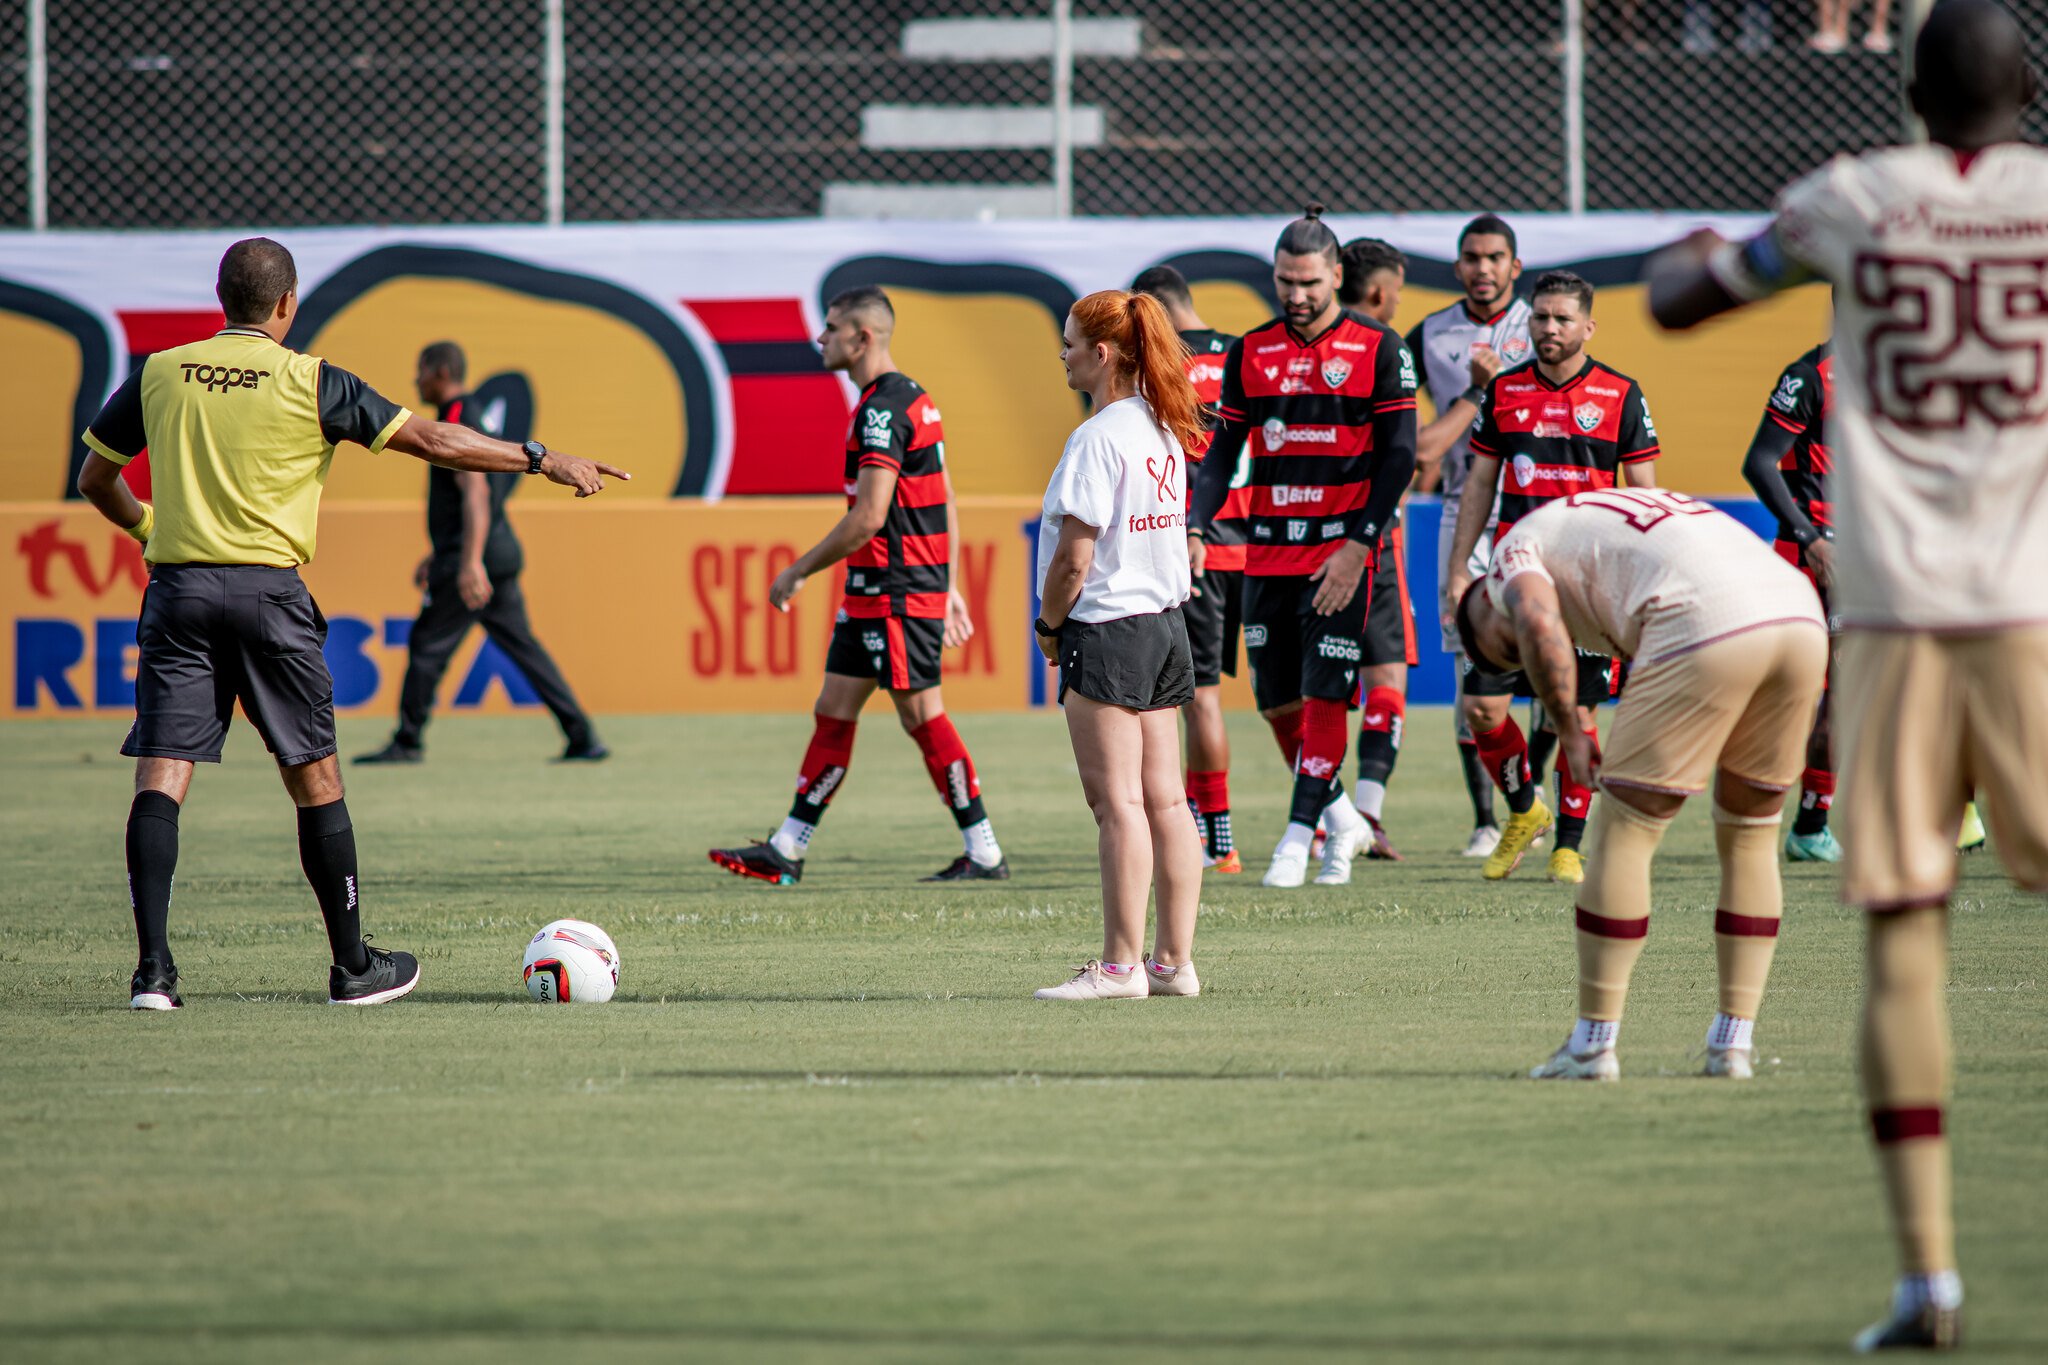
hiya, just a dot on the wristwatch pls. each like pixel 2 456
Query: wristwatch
pixel 1042 628
pixel 535 453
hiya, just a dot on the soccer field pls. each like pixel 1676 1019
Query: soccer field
pixel 828 1122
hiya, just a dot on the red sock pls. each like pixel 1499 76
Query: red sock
pixel 1574 796
pixel 1379 734
pixel 952 771
pixel 824 768
pixel 1325 733
pixel 1287 733
pixel 1817 789
pixel 1506 756
pixel 1210 791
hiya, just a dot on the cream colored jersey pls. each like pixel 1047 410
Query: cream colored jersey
pixel 1646 574
pixel 1940 422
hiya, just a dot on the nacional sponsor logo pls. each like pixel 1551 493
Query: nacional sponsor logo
pixel 1335 371
pixel 1277 433
pixel 1589 416
pixel 1525 471
pixel 221 378
pixel 1297 531
pixel 1290 495
pixel 1786 398
pixel 1338 647
pixel 877 428
pixel 1254 637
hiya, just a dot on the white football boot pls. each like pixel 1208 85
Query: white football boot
pixel 1565 1065
pixel 1734 1063
pixel 1347 832
pixel 1091 982
pixel 1485 838
pixel 1289 866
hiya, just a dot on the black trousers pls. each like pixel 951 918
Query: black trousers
pixel 444 622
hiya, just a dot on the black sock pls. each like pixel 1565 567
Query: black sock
pixel 1311 794
pixel 1478 785
pixel 152 867
pixel 1812 817
pixel 1541 745
pixel 1570 830
pixel 327 851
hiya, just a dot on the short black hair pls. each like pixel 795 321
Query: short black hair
pixel 1166 284
pixel 864 298
pixel 1364 257
pixel 1970 70
pixel 1564 282
pixel 445 356
pixel 1468 634
pixel 1309 235
pixel 1489 225
pixel 254 274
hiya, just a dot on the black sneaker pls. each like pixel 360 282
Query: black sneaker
pixel 394 752
pixel 589 751
pixel 388 976
pixel 1926 1329
pixel 965 869
pixel 763 862
pixel 154 986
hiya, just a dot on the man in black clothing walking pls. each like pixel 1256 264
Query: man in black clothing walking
pixel 471 577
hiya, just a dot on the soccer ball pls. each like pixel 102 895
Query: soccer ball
pixel 571 960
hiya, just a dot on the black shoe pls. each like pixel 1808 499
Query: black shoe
pixel 965 869
pixel 763 862
pixel 589 751
pixel 394 752
pixel 1927 1329
pixel 154 986
pixel 388 976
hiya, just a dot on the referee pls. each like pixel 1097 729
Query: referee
pixel 241 432
pixel 472 578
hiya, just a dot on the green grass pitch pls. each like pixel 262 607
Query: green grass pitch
pixel 828 1123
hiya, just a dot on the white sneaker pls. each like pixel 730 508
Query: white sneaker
pixel 1565 1065
pixel 1180 981
pixel 1485 839
pixel 1338 851
pixel 1735 1063
pixel 1289 867
pixel 1093 983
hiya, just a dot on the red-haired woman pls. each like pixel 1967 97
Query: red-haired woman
pixel 1112 575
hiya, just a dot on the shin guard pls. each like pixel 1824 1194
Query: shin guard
pixel 1506 756
pixel 824 769
pixel 952 771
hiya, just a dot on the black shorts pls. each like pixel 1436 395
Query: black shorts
pixel 214 634
pixel 1596 681
pixel 899 652
pixel 1142 662
pixel 1390 617
pixel 1296 652
pixel 1212 620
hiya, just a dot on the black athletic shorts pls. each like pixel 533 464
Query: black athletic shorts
pixel 1213 620
pixel 214 634
pixel 899 652
pixel 1390 617
pixel 1296 652
pixel 1596 681
pixel 1142 662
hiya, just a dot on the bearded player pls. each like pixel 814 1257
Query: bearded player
pixel 898 539
pixel 1938 254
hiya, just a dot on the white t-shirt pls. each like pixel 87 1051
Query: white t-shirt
pixel 1939 429
pixel 1123 473
pixel 1646 574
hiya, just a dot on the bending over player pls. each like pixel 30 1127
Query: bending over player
pixel 1730 652
pixel 897 538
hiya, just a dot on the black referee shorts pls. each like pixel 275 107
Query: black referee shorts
pixel 1295 651
pixel 1141 662
pixel 1596 681
pixel 214 634
pixel 1212 621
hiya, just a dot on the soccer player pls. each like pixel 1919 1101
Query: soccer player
pixel 471 577
pixel 1787 465
pixel 1374 272
pixel 898 538
pixel 1212 613
pixel 1939 258
pixel 1460 349
pixel 1327 399
pixel 1563 423
pixel 1730 652
pixel 240 434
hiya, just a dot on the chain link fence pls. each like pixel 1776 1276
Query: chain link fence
pixel 188 113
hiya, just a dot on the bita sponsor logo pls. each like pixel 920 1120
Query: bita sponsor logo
pixel 221 378
pixel 1288 495
pixel 1277 433
pixel 1589 416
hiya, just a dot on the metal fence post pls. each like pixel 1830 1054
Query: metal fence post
pixel 38 115
pixel 1914 14
pixel 1575 105
pixel 1063 108
pixel 554 75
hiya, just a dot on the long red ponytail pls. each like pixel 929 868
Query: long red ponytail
pixel 1137 329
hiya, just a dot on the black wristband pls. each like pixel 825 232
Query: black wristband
pixel 1040 627
pixel 1475 395
pixel 1805 535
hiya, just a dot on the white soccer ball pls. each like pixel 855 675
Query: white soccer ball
pixel 571 961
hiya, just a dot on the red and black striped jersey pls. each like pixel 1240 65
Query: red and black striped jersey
pixel 1554 440
pixel 1330 426
pixel 1800 404
pixel 905 570
pixel 1207 348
